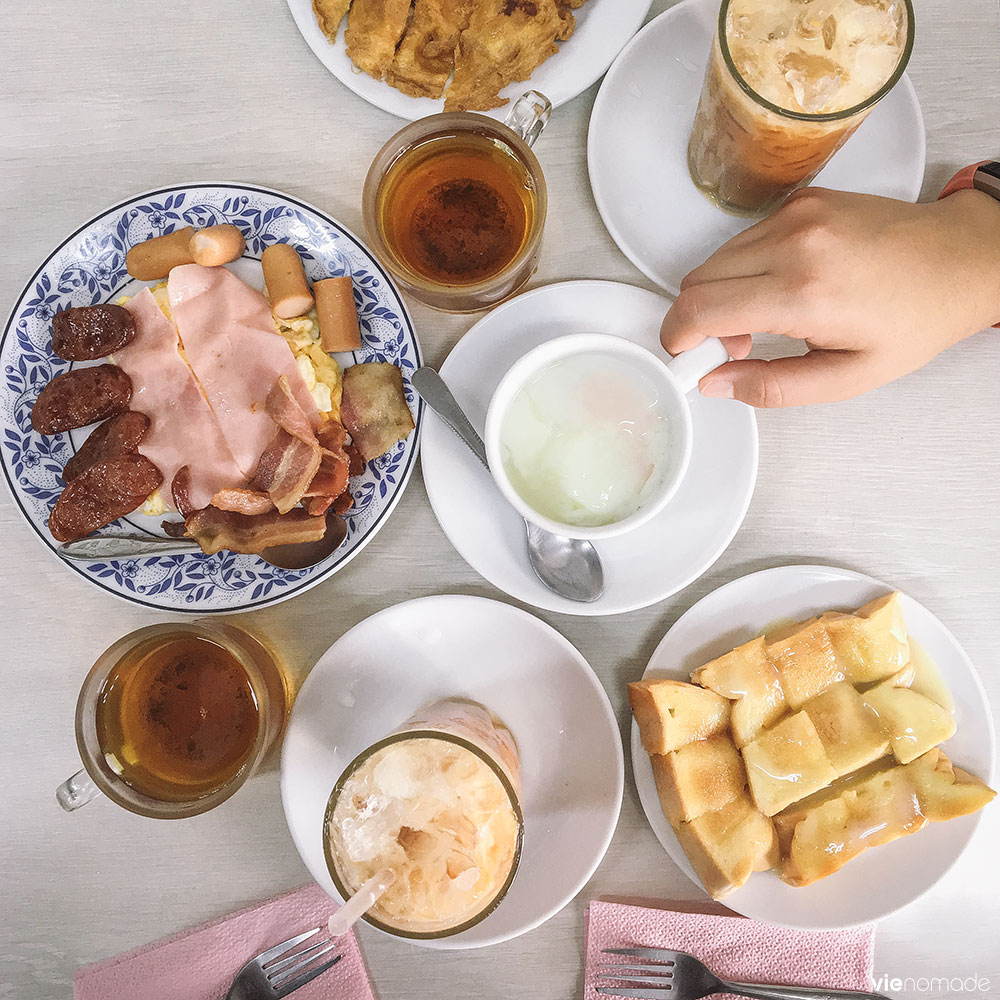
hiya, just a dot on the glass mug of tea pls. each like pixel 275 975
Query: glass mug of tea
pixel 173 719
pixel 454 205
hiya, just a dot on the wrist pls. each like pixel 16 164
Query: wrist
pixel 973 243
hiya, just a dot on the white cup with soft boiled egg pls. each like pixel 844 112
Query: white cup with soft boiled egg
pixel 590 435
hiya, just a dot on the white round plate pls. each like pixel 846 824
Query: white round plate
pixel 642 567
pixel 89 267
pixel 390 665
pixel 883 879
pixel 602 28
pixel 637 148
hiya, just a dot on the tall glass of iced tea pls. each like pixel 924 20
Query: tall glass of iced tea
pixel 788 82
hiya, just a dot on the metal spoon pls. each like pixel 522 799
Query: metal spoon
pixel 569 567
pixel 299 556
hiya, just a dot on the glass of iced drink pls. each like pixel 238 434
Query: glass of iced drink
pixel 438 804
pixel 788 82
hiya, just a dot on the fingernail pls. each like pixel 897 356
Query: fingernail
pixel 719 388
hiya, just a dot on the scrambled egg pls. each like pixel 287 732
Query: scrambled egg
pixel 319 371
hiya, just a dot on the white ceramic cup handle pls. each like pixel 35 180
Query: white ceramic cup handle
pixel 689 367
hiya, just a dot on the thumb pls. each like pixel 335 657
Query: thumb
pixel 816 377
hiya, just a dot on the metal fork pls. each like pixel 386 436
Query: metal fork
pixel 282 970
pixel 676 975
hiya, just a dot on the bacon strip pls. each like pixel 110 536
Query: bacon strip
pixel 332 436
pixel 374 407
pixel 357 463
pixel 331 477
pixel 318 505
pixel 215 529
pixel 284 409
pixel 243 501
pixel 286 469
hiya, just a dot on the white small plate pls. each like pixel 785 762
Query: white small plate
pixel 642 567
pixel 602 28
pixel 384 669
pixel 881 880
pixel 637 148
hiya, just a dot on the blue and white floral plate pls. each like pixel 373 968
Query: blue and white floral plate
pixel 89 267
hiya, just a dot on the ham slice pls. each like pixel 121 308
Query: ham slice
pixel 215 529
pixel 232 346
pixel 183 430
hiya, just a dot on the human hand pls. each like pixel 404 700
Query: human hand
pixel 874 287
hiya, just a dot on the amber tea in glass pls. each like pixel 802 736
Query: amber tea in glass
pixel 454 205
pixel 456 208
pixel 172 719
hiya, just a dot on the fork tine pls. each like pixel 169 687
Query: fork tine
pixel 287 975
pixel 290 986
pixel 665 992
pixel 662 981
pixel 280 949
pixel 274 967
pixel 663 970
pixel 660 954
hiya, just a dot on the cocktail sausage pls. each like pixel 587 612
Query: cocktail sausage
pixel 285 278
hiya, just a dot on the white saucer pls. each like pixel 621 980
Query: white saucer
pixel 602 28
pixel 637 148
pixel 642 567
pixel 387 667
pixel 881 880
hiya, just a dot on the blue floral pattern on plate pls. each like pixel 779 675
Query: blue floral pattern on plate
pixel 89 267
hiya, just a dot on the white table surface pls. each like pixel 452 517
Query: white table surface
pixel 100 101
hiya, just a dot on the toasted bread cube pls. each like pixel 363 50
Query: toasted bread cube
pixel 727 846
pixel 786 763
pixel 912 722
pixel 750 679
pixel 787 629
pixel 945 791
pixel 872 643
pixel 849 733
pixel 806 662
pixel 812 849
pixel 700 777
pixel 672 714
pixel 902 678
pixel 872 812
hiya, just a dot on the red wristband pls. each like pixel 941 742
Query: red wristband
pixel 960 182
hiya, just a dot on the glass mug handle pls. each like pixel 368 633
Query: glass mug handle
pixel 76 791
pixel 529 115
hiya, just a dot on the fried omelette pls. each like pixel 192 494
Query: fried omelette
pixel 505 41
pixel 426 55
pixel 487 43
pixel 329 14
pixel 374 28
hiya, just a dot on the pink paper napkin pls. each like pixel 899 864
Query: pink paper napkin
pixel 734 948
pixel 200 964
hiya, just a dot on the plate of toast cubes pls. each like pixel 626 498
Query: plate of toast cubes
pixel 812 746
